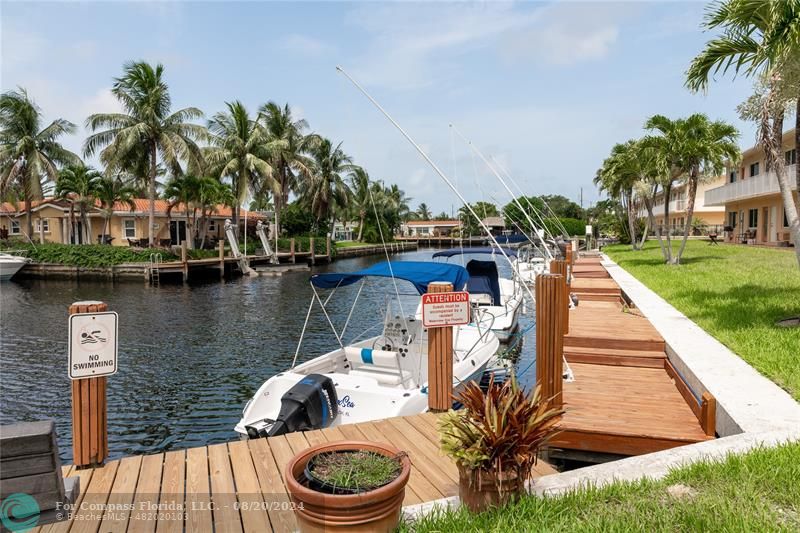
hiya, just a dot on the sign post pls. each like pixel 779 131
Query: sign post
pixel 92 357
pixel 441 310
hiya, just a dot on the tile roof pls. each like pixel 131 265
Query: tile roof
pixel 141 206
pixel 433 223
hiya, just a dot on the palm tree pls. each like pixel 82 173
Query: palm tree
pixel 28 152
pixel 360 201
pixel 110 191
pixel 618 176
pixel 211 193
pixel 240 150
pixel 399 203
pixel 289 148
pixel 146 128
pixel 695 147
pixel 327 190
pixel 78 184
pixel 759 39
pixel 424 212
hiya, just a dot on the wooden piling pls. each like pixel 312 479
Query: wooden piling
pixel 291 249
pixel 185 260
pixel 328 248
pixel 221 259
pixel 550 337
pixel 440 359
pixel 708 414
pixel 558 266
pixel 89 411
pixel 311 244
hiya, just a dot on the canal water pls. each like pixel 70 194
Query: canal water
pixel 189 356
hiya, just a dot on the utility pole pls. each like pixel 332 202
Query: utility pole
pixel 581 197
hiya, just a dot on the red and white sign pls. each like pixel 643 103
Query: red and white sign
pixel 441 309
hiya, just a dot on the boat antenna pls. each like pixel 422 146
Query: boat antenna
pixel 438 171
pixel 500 178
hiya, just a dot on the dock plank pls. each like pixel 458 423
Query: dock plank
pixel 88 519
pixel 198 491
pixel 248 491
pixel 147 491
pixel 173 486
pixel 270 480
pixel 223 490
pixel 122 494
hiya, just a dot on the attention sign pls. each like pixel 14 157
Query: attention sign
pixel 92 345
pixel 440 309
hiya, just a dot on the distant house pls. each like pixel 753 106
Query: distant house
pixel 345 231
pixel 429 228
pixel 496 225
pixel 51 222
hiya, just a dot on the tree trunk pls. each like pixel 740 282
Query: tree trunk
pixel 29 218
pixel 644 234
pixel 667 193
pixel 87 230
pixel 648 203
pixel 692 191
pixel 797 149
pixel 360 227
pixel 106 222
pixel 151 193
pixel 631 219
pixel 772 141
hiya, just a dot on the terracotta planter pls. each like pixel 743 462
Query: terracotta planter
pixel 375 510
pixel 484 489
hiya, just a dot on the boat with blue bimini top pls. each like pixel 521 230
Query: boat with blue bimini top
pixel 372 378
pixel 499 299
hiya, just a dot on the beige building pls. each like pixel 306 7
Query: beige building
pixel 750 197
pixel 707 218
pixel 126 226
pixel 429 228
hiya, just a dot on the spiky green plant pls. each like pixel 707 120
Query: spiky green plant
pixel 500 430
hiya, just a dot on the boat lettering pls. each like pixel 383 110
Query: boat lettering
pixel 345 402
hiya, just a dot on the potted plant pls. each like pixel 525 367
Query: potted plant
pixel 348 485
pixel 495 441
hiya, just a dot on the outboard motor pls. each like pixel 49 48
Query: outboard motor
pixel 311 403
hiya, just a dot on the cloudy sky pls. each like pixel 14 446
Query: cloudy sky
pixel 544 87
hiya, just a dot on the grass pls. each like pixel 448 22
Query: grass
pixel 355 470
pixel 351 244
pixel 736 293
pixel 757 491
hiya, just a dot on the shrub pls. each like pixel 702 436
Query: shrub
pixel 89 255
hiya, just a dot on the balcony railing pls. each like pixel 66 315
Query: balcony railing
pixel 748 188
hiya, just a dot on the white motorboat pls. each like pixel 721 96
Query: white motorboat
pixel 530 263
pixel 370 379
pixel 500 299
pixel 10 265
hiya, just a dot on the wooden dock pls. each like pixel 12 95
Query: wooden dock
pixel 626 399
pixel 238 486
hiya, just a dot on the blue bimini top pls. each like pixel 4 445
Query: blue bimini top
pixel 420 273
pixel 479 250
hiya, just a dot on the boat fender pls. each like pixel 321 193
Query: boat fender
pixel 311 403
pixel 574 298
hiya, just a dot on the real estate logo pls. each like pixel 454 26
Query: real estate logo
pixel 19 512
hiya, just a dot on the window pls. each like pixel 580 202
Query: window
pixel 732 219
pixel 15 227
pixel 753 218
pixel 129 228
pixel 785 219
pixel 45 222
pixel 733 175
pixel 791 157
pixel 754 169
pixel 212 226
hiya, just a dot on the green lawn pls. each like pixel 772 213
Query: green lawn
pixel 758 491
pixel 734 292
pixel 351 244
